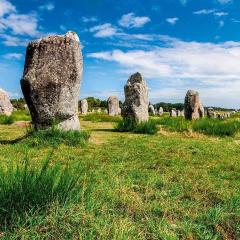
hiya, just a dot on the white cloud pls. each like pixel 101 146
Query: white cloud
pixel 204 11
pixel 6 7
pixel 221 14
pixel 131 21
pixel 209 68
pixel 21 24
pixel 49 6
pixel 104 30
pixel 13 41
pixel 212 68
pixel 11 56
pixel 172 21
pixel 89 19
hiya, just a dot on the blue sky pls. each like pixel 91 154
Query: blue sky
pixel 176 44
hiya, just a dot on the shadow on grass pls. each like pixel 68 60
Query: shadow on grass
pixel 103 130
pixel 14 141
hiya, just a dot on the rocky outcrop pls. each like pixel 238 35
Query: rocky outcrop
pixel 6 108
pixel 193 107
pixel 51 81
pixel 113 106
pixel 136 99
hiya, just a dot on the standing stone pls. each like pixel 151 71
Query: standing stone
pixel 99 110
pixel 113 106
pixel 136 99
pixel 6 107
pixel 178 113
pixel 160 111
pixel 84 106
pixel 211 113
pixel 182 114
pixel 119 111
pixel 193 106
pixel 51 81
pixel 151 109
pixel 173 113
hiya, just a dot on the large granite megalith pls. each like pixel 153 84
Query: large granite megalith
pixel 193 107
pixel 6 108
pixel 84 106
pixel 51 81
pixel 136 99
pixel 113 106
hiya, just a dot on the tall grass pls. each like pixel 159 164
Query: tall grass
pixel 6 119
pixel 99 117
pixel 28 189
pixel 216 127
pixel 54 137
pixel 179 124
pixel 20 115
pixel 129 125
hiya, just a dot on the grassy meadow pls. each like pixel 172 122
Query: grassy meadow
pixel 181 183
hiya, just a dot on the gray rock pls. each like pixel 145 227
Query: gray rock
pixel 51 81
pixel 173 113
pixel 151 109
pixel 211 113
pixel 119 111
pixel 6 107
pixel 160 111
pixel 136 99
pixel 84 106
pixel 113 106
pixel 193 107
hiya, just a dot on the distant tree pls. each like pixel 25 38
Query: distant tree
pixel 18 103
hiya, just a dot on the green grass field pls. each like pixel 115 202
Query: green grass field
pixel 176 184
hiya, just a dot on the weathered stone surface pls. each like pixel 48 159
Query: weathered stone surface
pixel 84 106
pixel 193 107
pixel 160 111
pixel 51 81
pixel 173 113
pixel 151 109
pixel 6 107
pixel 119 111
pixel 211 113
pixel 136 99
pixel 113 106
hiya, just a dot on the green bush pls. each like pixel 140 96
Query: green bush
pixel 149 127
pixel 26 189
pixel 216 127
pixel 6 119
pixel 129 125
pixel 54 137
pixel 179 124
pixel 99 117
